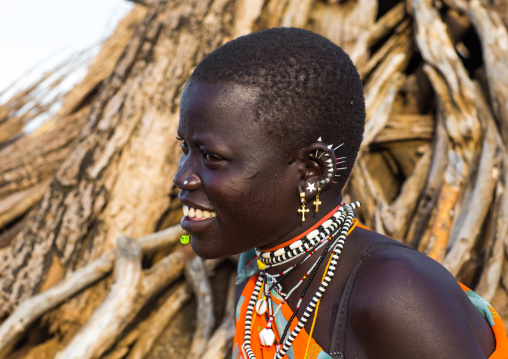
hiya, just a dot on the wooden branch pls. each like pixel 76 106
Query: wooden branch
pixel 32 308
pixel 494 40
pixel 406 128
pixel 378 120
pixel 158 321
pixel 473 214
pixel 196 276
pixel 400 42
pixel 428 198
pixel 346 24
pixel 20 202
pixel 404 206
pixel 386 23
pixel 454 89
pixel 103 327
pixel 440 232
pixel 222 339
pixel 145 286
pixel 296 13
pixel 246 15
pixel 495 253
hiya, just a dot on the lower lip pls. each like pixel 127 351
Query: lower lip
pixel 195 225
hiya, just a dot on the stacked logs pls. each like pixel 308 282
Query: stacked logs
pixel 432 170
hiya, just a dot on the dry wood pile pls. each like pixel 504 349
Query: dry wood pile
pixel 432 173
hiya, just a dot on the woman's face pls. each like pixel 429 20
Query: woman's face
pixel 237 189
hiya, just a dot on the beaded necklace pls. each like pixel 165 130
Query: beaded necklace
pixel 295 249
pixel 262 305
pixel 336 231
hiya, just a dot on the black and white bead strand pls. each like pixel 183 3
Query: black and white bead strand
pixel 324 284
pixel 248 315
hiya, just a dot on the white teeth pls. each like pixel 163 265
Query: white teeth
pixel 198 213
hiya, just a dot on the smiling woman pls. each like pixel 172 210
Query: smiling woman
pixel 268 122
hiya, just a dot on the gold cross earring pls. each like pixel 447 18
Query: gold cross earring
pixel 317 202
pixel 303 210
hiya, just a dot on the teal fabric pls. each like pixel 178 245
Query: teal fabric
pixel 482 305
pixel 280 323
pixel 236 352
pixel 239 306
pixel 247 266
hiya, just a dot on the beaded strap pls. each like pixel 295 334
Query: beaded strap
pixel 248 316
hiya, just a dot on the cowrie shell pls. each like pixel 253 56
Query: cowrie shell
pixel 261 307
pixel 267 337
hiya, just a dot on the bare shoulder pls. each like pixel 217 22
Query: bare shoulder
pixel 405 304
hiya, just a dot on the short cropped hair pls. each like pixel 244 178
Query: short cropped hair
pixel 309 88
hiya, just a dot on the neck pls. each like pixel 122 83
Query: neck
pixel 300 236
pixel 311 220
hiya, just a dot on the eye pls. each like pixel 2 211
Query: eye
pixel 185 148
pixel 210 157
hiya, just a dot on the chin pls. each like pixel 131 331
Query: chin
pixel 205 251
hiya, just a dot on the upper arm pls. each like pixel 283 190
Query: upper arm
pixel 407 305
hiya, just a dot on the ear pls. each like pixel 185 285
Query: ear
pixel 320 167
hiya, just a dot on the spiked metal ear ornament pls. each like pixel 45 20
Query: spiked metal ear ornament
pixel 338 162
pixel 319 140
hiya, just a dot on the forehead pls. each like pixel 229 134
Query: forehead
pixel 217 107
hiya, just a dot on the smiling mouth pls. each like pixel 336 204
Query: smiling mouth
pixel 197 214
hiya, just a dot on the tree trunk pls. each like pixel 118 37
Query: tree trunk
pixel 432 170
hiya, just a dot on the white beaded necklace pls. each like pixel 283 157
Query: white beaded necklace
pixel 302 246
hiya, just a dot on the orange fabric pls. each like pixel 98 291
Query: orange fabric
pixel 362 226
pixel 499 330
pixel 321 221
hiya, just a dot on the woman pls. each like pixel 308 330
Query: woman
pixel 270 125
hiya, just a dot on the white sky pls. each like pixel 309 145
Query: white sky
pixel 38 34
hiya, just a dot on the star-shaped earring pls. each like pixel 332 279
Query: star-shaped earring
pixel 310 187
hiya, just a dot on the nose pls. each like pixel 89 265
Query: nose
pixel 186 176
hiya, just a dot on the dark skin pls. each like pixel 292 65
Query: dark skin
pixel 403 303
